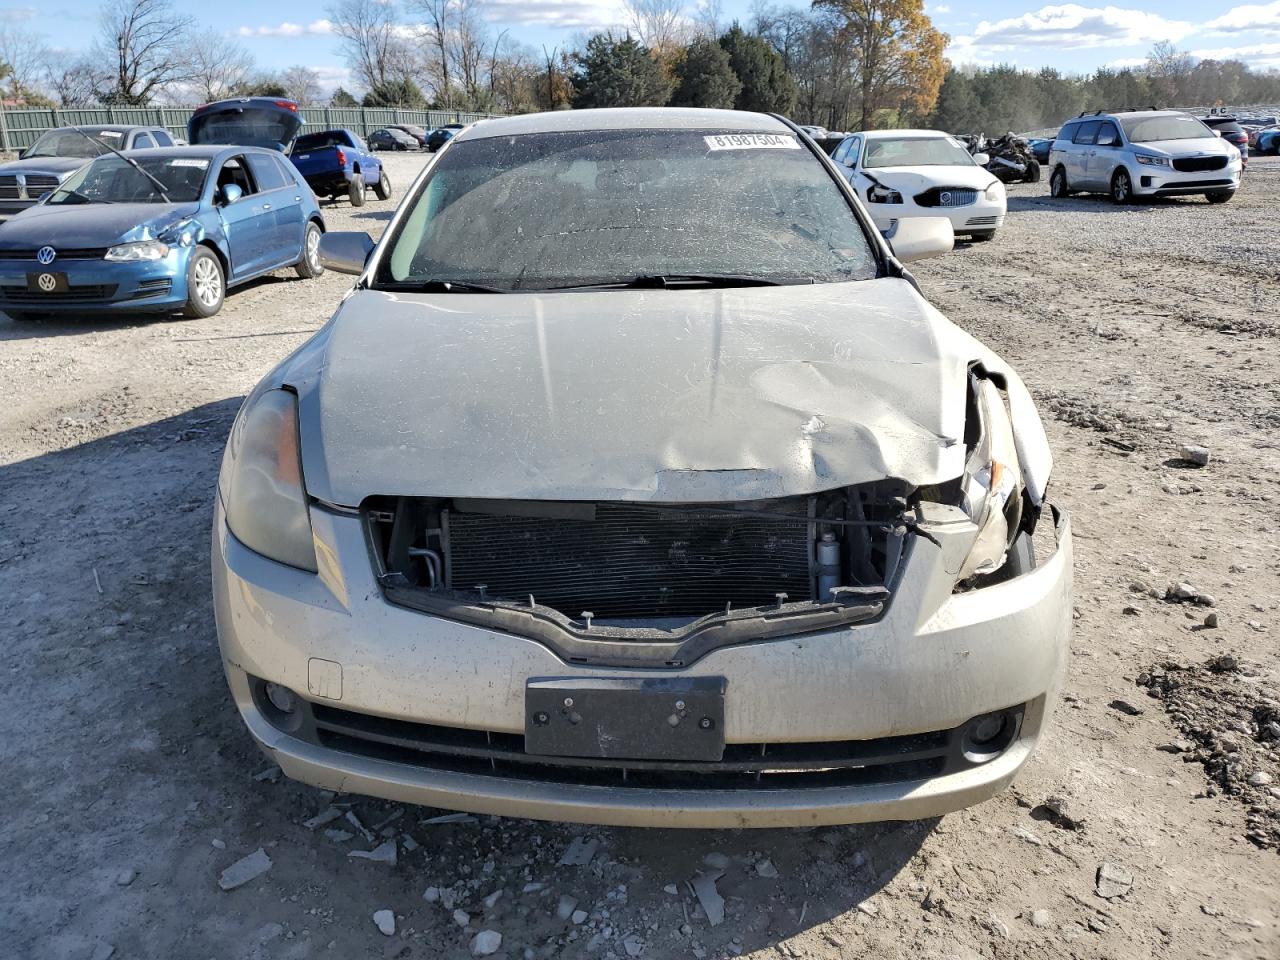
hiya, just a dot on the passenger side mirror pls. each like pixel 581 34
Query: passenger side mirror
pixel 919 238
pixel 345 251
pixel 230 193
pixel 981 159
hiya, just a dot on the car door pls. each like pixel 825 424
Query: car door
pixel 1078 154
pixel 248 223
pixel 1104 156
pixel 852 148
pixel 280 197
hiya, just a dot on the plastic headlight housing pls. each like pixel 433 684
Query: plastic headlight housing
pixel 878 193
pixel 142 250
pixel 262 488
pixel 1151 161
pixel 991 489
pixel 994 191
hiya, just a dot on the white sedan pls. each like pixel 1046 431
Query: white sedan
pixel 922 173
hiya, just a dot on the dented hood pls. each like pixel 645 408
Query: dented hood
pixel 692 395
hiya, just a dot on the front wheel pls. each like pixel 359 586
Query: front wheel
pixel 356 191
pixel 309 266
pixel 1220 196
pixel 1121 187
pixel 206 285
pixel 1033 172
pixel 1058 184
pixel 382 189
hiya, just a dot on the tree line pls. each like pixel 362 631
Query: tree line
pixel 842 64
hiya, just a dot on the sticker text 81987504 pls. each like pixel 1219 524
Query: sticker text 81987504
pixel 751 141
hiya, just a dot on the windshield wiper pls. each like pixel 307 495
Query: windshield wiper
pixel 129 160
pixel 442 286
pixel 664 281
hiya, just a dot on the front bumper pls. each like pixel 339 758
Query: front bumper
pixel 1165 182
pixel 979 217
pixel 98 286
pixel 932 662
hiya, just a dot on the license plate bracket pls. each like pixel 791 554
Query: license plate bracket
pixel 47 281
pixel 677 719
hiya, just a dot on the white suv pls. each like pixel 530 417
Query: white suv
pixel 1148 153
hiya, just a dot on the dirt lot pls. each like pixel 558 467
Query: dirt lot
pixel 129 785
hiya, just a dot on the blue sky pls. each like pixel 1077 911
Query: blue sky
pixel 1072 37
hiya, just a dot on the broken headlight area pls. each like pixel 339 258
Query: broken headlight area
pixel 644 583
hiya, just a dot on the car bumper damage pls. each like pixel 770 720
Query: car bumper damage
pixel 898 698
pixel 93 284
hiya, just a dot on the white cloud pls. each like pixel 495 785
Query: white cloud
pixel 1255 18
pixel 565 14
pixel 21 13
pixel 939 8
pixel 1127 63
pixel 1071 25
pixel 287 29
pixel 1260 55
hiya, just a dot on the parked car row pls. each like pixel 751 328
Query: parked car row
pixel 123 220
pixel 410 137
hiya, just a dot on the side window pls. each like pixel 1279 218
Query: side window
pixel 1087 132
pixel 1068 131
pixel 842 152
pixel 265 172
pixel 288 171
pixel 855 147
pixel 234 171
pixel 1108 135
pixel 142 141
pixel 163 138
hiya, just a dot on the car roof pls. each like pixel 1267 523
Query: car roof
pixel 206 151
pixel 114 127
pixel 624 118
pixel 894 134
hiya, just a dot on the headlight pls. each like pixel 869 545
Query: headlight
pixel 261 484
pixel 991 489
pixel 1151 161
pixel 142 250
pixel 995 191
pixel 878 193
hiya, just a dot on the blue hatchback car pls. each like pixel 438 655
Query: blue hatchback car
pixel 160 230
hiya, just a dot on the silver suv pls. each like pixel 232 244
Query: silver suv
pixel 1142 153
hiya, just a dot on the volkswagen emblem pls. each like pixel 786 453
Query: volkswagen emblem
pixel 46 255
pixel 945 198
pixel 47 281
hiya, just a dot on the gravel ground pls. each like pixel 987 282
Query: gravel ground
pixel 1144 827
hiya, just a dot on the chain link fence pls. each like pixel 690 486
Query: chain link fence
pixel 19 128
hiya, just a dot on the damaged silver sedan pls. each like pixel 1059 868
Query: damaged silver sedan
pixel 636 483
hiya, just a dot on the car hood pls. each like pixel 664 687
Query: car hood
pixel 1200 147
pixel 915 179
pixel 91 224
pixel 56 166
pixel 684 396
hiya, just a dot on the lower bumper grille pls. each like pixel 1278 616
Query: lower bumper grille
pixel 1195 185
pixel 1197 164
pixel 947 197
pixel 91 293
pixel 982 222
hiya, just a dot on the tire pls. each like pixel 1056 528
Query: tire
pixel 356 191
pixel 1121 187
pixel 382 189
pixel 1033 172
pixel 1220 196
pixel 982 236
pixel 308 266
pixel 1058 186
pixel 206 285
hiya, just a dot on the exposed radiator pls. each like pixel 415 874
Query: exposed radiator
pixel 631 560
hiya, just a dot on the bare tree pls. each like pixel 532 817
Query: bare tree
pixel 469 43
pixel 219 65
pixel 301 84
pixel 76 84
pixel 708 19
pixel 23 56
pixel 438 18
pixel 147 46
pixel 661 25
pixel 372 40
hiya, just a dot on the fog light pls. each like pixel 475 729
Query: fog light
pixel 982 730
pixel 281 698
pixel 987 736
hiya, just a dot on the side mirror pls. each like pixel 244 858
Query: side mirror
pixel 230 193
pixel 346 251
pixel 919 238
pixel 22 154
pixel 1217 133
pixel 981 159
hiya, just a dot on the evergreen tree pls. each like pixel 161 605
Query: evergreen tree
pixel 615 72
pixel 766 85
pixel 705 78
pixel 396 93
pixel 341 98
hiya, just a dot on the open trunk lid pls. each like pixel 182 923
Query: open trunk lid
pixel 248 122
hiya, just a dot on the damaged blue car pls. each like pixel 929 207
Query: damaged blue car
pixel 160 231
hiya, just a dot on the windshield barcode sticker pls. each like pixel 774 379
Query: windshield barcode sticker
pixel 189 162
pixel 751 141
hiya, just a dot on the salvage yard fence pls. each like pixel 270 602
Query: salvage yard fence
pixel 21 127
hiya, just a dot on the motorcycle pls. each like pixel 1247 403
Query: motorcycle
pixel 1008 157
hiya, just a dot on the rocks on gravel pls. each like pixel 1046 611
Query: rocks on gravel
pixel 1040 918
pixel 766 869
pixel 704 888
pixel 1183 592
pixel 126 877
pixel 385 921
pixel 1192 453
pixel 245 869
pixel 486 943
pixel 566 906
pixel 382 853
pixel 1112 880
pixel 461 918
pixel 580 852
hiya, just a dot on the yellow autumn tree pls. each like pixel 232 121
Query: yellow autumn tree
pixel 894 51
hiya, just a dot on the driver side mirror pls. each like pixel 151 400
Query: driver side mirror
pixel 981 159
pixel 347 251
pixel 919 238
pixel 230 193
